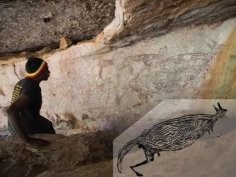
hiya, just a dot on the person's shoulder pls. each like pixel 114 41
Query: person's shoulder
pixel 22 82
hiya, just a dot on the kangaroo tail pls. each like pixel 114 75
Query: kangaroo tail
pixel 124 151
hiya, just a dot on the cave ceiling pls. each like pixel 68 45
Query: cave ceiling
pixel 148 18
pixel 28 25
pixel 32 25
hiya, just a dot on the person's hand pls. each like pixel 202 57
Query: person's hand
pixel 37 142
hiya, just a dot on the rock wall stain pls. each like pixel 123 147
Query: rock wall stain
pixel 220 81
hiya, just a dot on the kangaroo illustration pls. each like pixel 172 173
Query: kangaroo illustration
pixel 171 135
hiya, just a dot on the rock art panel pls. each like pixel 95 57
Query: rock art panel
pixel 116 87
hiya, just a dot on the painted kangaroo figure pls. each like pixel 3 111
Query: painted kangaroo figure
pixel 171 135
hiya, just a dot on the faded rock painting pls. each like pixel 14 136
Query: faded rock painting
pixel 117 87
pixel 165 76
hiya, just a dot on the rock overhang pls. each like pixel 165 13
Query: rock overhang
pixel 120 23
pixel 33 25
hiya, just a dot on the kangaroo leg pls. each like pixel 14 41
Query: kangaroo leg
pixel 139 164
pixel 148 159
pixel 211 131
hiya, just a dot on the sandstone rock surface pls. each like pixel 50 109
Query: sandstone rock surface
pixel 213 157
pixel 114 88
pixel 145 17
pixel 151 51
pixel 31 25
pixel 65 153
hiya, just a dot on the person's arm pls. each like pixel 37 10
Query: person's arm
pixel 13 114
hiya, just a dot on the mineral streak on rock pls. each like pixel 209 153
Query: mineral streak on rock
pixel 220 81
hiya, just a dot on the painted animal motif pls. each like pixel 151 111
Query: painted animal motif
pixel 171 135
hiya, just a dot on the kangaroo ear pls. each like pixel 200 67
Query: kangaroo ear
pixel 217 110
pixel 219 106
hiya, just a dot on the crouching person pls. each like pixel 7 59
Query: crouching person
pixel 24 116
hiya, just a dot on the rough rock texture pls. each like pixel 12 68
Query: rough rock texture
pixel 32 25
pixel 64 154
pixel 93 170
pixel 99 85
pixel 224 85
pixel 94 88
pixel 213 157
pixel 159 17
pixel 79 20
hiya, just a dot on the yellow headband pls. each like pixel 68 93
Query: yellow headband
pixel 38 71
